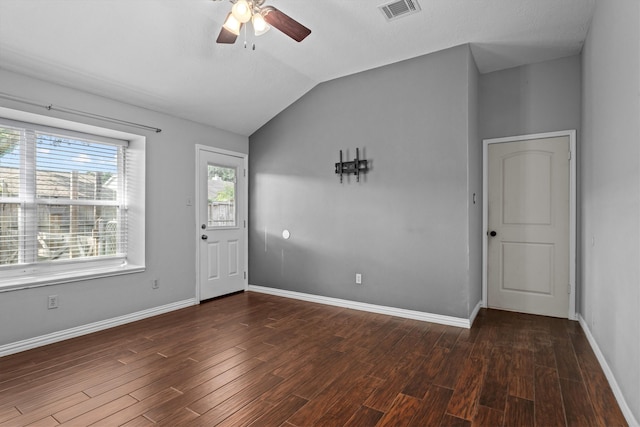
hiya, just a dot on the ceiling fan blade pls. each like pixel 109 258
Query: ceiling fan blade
pixel 284 23
pixel 226 37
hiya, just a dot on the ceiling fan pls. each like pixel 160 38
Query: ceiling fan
pixel 262 18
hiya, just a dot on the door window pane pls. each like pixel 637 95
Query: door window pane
pixel 221 194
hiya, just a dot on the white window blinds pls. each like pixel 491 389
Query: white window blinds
pixel 62 196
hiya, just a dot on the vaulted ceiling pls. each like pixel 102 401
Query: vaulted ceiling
pixel 162 54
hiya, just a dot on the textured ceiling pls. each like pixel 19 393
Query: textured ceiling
pixel 162 55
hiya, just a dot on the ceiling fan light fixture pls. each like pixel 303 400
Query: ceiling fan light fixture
pixel 241 11
pixel 262 19
pixel 260 26
pixel 231 24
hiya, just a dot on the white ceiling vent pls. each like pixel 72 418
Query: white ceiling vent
pixel 399 9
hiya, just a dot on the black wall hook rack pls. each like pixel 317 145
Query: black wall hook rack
pixel 355 167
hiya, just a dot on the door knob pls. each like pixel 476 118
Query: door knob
pixel 204 237
pixel 493 234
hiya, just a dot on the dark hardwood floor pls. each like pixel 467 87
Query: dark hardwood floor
pixel 254 359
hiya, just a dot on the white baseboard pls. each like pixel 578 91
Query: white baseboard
pixel 626 411
pixel 474 313
pixel 373 308
pixel 51 338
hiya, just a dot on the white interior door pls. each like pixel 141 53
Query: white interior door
pixel 528 226
pixel 221 223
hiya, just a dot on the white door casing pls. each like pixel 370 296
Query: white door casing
pixel 222 251
pixel 529 202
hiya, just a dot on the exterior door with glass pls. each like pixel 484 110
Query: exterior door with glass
pixel 221 216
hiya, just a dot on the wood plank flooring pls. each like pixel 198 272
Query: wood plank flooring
pixel 260 360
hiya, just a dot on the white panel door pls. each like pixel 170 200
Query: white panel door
pixel 221 220
pixel 528 221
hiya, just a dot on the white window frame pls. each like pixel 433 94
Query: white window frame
pixel 42 274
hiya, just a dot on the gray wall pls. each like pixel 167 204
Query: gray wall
pixel 474 177
pixel 610 175
pixel 542 97
pixel 170 245
pixel 536 98
pixel 406 225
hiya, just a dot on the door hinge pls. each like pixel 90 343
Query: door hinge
pixel 245 275
pixel 569 289
pixel 569 155
pixel 245 223
pixel 245 172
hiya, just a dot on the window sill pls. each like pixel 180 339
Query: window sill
pixel 48 278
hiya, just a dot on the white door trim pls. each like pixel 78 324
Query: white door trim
pixel 572 208
pixel 245 157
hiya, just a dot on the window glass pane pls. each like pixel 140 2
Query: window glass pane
pixel 221 196
pixel 71 231
pixel 9 162
pixel 61 196
pixel 9 239
pixel 76 170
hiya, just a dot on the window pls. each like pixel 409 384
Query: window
pixel 222 196
pixel 63 200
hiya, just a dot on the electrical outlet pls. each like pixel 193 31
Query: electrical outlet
pixel 154 284
pixel 358 279
pixel 52 302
